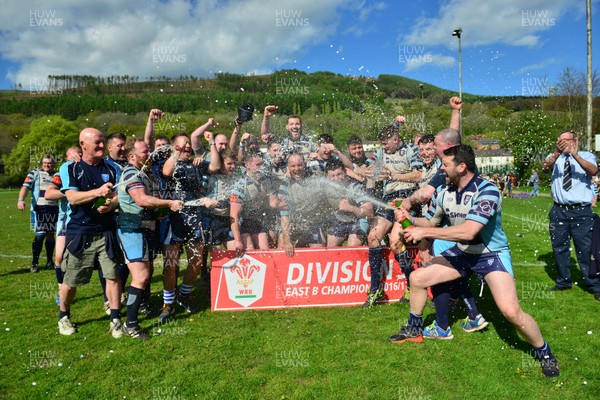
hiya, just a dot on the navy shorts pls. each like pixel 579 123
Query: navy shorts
pixel 253 226
pixel 480 264
pixel 61 225
pixel 218 228
pixel 304 234
pixel 45 218
pixel 337 228
pixel 185 228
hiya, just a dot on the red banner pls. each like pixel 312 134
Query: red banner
pixel 315 277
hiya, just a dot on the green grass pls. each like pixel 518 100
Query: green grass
pixel 335 353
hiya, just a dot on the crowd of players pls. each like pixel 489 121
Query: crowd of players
pixel 203 191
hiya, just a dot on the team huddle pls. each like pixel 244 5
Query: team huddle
pixel 424 200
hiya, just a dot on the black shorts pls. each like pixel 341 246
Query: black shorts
pixel 46 218
pixel 186 228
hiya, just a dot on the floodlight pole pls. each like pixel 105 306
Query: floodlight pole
pixel 589 74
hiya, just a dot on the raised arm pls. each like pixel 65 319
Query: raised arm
pixel 196 136
pixel 265 129
pixel 233 141
pixel 215 157
pixel 153 117
pixel 169 166
pixel 342 157
pixel 550 161
pixel 242 150
pixel 455 105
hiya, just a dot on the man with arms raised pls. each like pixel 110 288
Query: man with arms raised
pixel 295 141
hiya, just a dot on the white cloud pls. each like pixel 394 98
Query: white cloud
pixel 149 38
pixel 428 60
pixel 510 22
pixel 542 65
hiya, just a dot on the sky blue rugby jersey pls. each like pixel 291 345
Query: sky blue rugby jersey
pixel 479 201
pixel 63 209
pixel 130 214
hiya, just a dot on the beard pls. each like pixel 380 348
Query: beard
pixel 359 160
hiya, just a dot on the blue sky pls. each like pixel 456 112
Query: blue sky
pixel 509 47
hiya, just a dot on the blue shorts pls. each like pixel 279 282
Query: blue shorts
pixel 164 231
pixel 218 228
pixel 480 264
pixel 45 218
pixel 388 213
pixel 137 245
pixel 184 228
pixel 304 234
pixel 439 246
pixel 340 229
pixel 61 225
pixel 252 226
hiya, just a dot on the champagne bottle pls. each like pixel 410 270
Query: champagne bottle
pixel 406 223
pixel 100 201
pixel 395 203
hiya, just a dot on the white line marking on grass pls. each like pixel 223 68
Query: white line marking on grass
pixel 529 264
pixel 14 256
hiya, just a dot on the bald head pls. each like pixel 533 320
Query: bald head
pixel 446 139
pixel 89 132
pixel 450 136
pixel 92 145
